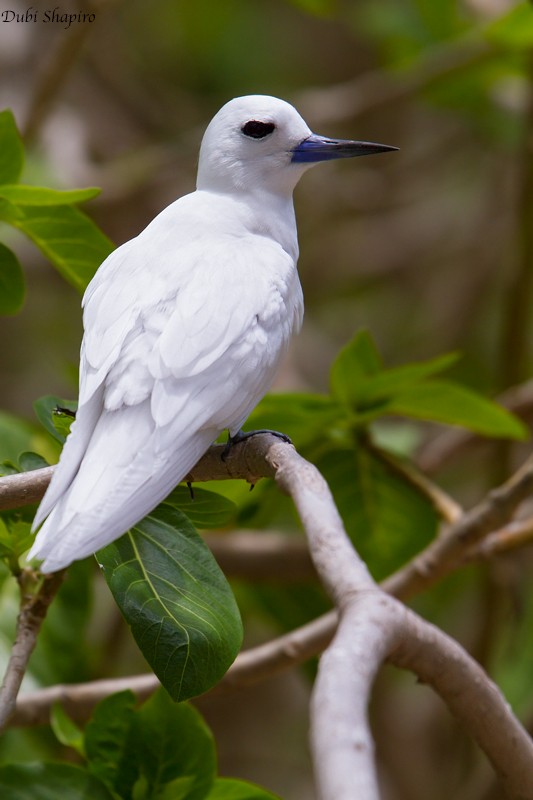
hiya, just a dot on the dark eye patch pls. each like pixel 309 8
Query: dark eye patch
pixel 256 129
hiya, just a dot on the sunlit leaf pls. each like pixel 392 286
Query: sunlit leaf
pixel 56 423
pixel 12 284
pixel 11 149
pixel 229 789
pixel 24 195
pixel 450 403
pixel 68 238
pixel 15 537
pixel 65 729
pixel 176 600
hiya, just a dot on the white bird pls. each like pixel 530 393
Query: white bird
pixel 185 327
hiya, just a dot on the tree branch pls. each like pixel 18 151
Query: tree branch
pixel 450 548
pixel 374 627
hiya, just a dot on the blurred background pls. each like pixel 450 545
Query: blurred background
pixel 430 248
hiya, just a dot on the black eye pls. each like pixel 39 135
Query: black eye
pixel 256 129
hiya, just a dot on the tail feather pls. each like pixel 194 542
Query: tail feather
pixel 76 529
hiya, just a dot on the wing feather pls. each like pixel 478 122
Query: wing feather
pixel 177 348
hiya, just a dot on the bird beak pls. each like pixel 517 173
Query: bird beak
pixel 318 148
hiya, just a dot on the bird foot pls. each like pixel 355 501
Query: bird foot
pixel 241 436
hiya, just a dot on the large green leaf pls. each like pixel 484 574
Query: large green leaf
pixel 50 782
pixel 108 741
pixel 450 403
pixel 174 751
pixel 388 519
pixel 205 509
pixel 12 284
pixel 11 149
pixel 230 789
pixel 176 600
pixel 24 195
pixel 68 238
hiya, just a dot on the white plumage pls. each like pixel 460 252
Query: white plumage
pixel 185 326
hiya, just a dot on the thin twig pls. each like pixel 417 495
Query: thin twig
pixel 515 365
pixel 376 89
pixel 449 549
pixel 250 666
pixel 53 75
pixel 33 607
pixel 452 442
pixel 262 555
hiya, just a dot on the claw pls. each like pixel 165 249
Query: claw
pixel 241 436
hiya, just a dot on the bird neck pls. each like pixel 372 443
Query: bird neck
pixel 258 212
pixel 272 215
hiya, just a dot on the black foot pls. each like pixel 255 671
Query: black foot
pixel 241 436
pixel 191 490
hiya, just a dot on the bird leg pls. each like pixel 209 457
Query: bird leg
pixel 241 436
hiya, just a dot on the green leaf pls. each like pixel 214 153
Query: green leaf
pixel 29 461
pixel 66 236
pixel 24 195
pixel 303 417
pixel 207 510
pixel 391 382
pixel 513 29
pixel 359 379
pixel 11 149
pixel 174 751
pixel 12 284
pixel 66 731
pixel 355 362
pixel 230 789
pixel 388 519
pixel 50 782
pixel 56 423
pixel 15 537
pixel 108 739
pixel 17 435
pixel 176 600
pixel 452 404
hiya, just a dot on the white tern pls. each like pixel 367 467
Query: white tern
pixel 185 326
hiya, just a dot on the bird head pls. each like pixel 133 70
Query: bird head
pixel 261 142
